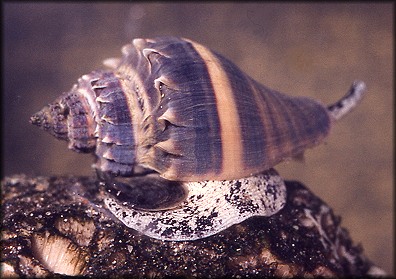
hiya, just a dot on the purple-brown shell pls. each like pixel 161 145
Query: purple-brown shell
pixel 173 106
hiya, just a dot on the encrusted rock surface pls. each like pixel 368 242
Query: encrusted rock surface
pixel 58 225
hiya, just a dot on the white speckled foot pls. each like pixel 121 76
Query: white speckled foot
pixel 210 207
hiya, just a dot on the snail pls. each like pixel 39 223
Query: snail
pixel 173 108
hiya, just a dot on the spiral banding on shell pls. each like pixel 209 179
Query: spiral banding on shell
pixel 175 107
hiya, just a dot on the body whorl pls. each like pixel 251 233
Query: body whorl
pixel 173 106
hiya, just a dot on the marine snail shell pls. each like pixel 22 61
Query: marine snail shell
pixel 172 106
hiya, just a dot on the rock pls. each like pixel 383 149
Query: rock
pixel 59 225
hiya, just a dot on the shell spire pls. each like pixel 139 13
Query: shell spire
pixel 45 119
pixel 71 116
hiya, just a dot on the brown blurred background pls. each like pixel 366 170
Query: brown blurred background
pixel 301 49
